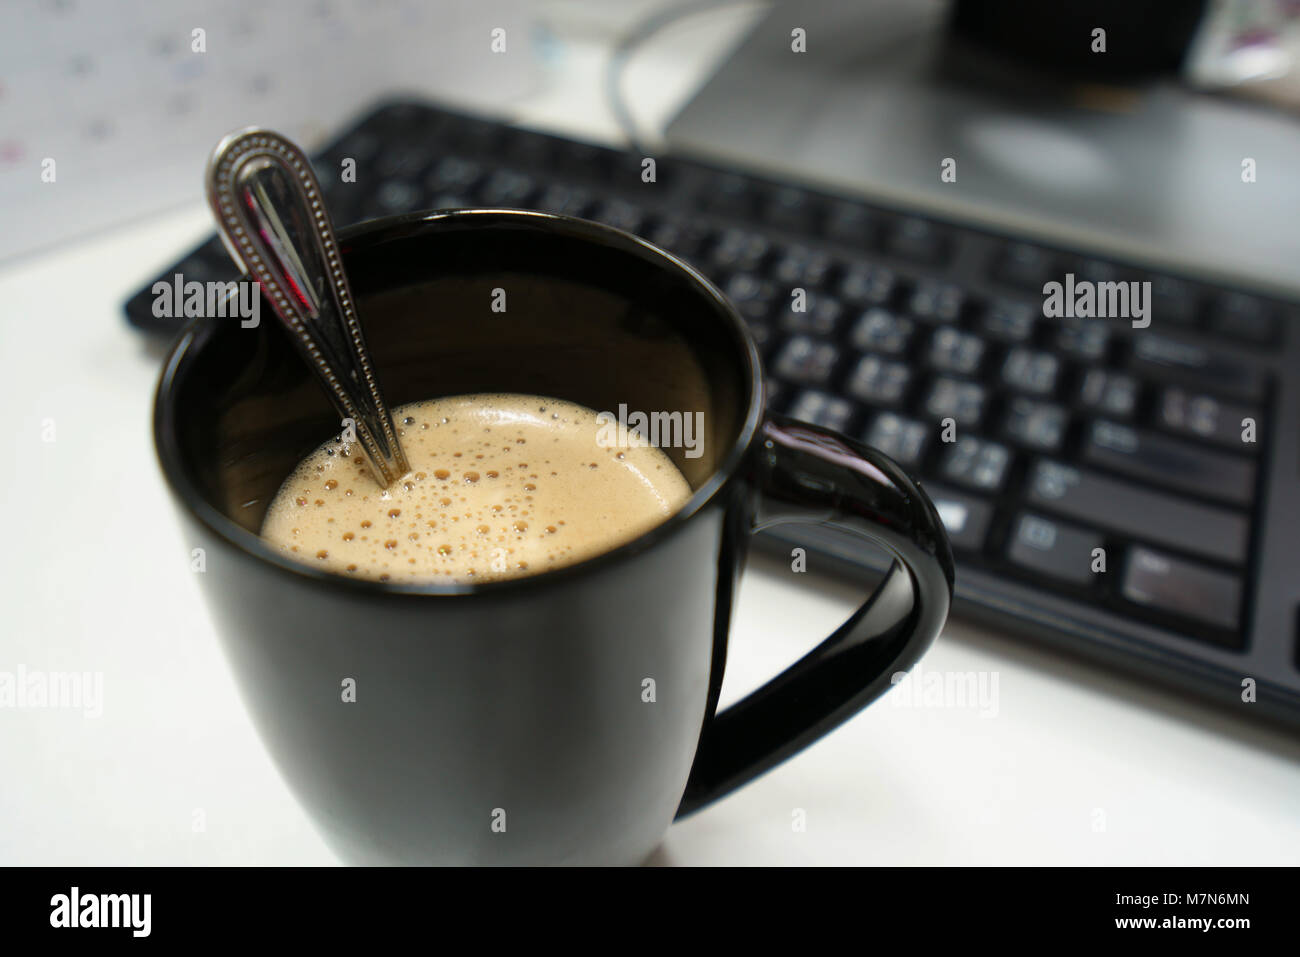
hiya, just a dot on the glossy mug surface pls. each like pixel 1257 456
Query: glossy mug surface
pixel 566 717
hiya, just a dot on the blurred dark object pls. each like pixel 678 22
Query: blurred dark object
pixel 1144 38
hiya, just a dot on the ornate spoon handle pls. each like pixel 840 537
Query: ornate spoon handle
pixel 273 222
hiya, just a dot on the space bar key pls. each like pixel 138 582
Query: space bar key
pixel 1145 514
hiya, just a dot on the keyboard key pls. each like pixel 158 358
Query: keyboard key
pixel 879 330
pixel 955 351
pixel 868 285
pixel 821 408
pixel 620 214
pixel 1170 360
pixel 917 239
pixel 1025 265
pixel 1085 339
pixel 507 187
pixel 394 196
pixel 745 286
pixel 903 440
pixel 1039 425
pixel 728 193
pixel 806 360
pixel 1149 514
pixel 965 518
pixel 753 297
pixel 1113 393
pixel 1160 460
pixel 739 249
pixel 963 402
pixel 1030 371
pixel 1008 320
pixel 406 160
pixel 454 174
pixel 936 301
pixel 1056 549
pixel 850 223
pixel 1173 300
pixel 1187 589
pixel 564 200
pixel 681 237
pixel 820 315
pixel 451 201
pixel 977 463
pixel 801 266
pixel 878 381
pixel 790 208
pixel 1245 318
pixel 1205 417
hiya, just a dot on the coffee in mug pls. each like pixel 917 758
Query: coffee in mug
pixel 500 486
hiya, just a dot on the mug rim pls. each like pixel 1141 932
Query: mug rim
pixel 405 226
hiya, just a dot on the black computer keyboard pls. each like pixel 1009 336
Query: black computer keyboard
pixel 1069 435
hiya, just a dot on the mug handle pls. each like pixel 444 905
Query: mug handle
pixel 807 474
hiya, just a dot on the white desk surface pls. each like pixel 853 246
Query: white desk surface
pixel 1078 765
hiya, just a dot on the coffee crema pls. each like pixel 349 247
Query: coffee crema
pixel 501 486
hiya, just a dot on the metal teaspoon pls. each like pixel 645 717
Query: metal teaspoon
pixel 273 222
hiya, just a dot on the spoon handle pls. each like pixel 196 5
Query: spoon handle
pixel 273 222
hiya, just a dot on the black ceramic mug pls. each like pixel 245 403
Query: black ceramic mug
pixel 570 716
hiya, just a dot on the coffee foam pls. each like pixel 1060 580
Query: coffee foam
pixel 500 486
